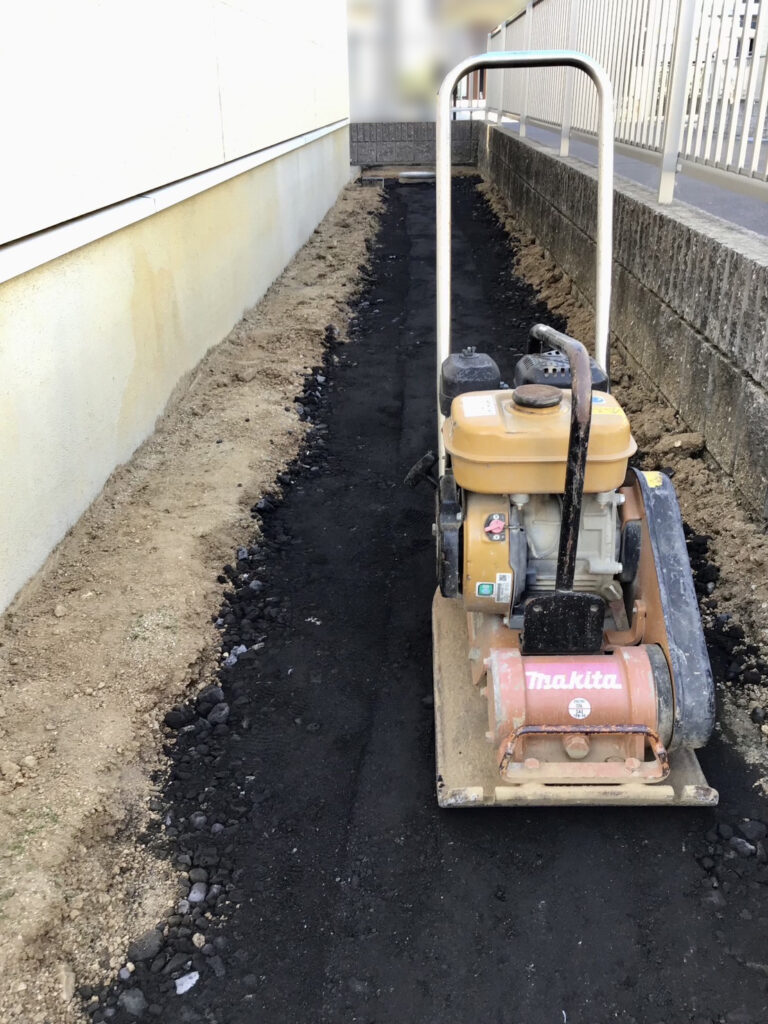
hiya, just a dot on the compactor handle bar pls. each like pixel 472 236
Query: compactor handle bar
pixel 578 440
pixel 525 59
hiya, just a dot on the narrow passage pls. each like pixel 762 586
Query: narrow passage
pixel 347 895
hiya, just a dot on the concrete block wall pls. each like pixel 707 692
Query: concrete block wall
pixel 380 144
pixel 689 302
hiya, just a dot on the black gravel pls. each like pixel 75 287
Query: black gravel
pixel 322 883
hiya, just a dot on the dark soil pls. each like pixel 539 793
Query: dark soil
pixel 334 888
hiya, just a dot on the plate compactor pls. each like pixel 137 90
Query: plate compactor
pixel 569 660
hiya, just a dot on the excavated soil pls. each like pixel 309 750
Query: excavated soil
pixel 320 880
pixel 118 624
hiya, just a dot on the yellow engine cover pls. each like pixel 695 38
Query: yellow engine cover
pixel 499 447
pixel 488 579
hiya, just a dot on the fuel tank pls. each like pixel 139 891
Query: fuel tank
pixel 500 446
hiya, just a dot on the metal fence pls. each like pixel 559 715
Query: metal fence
pixel 689 78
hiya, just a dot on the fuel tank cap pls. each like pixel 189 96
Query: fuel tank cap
pixel 537 396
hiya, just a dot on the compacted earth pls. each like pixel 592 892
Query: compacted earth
pixel 294 804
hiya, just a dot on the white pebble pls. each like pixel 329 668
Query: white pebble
pixel 186 982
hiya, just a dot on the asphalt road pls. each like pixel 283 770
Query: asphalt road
pixel 345 893
pixel 748 211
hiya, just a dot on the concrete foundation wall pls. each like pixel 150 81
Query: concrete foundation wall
pixel 690 295
pixel 93 343
pixel 383 143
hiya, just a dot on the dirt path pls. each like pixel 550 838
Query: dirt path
pixel 324 883
pixel 118 625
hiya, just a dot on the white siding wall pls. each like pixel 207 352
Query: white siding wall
pixel 105 99
pixel 109 99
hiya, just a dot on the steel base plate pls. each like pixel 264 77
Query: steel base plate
pixel 467 775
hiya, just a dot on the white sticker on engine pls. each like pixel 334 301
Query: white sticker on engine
pixel 503 587
pixel 479 405
pixel 579 708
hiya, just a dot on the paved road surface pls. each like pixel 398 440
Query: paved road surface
pixel 746 211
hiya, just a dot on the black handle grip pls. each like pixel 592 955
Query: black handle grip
pixel 578 440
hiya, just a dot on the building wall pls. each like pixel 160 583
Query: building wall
pixel 162 164
pixel 105 100
pixel 689 299
pixel 92 344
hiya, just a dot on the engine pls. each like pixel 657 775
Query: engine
pixel 510 545
pixel 508 453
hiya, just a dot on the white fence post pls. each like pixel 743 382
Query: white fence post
pixel 526 73
pixel 503 75
pixel 568 84
pixel 676 97
pixel 690 78
pixel 488 82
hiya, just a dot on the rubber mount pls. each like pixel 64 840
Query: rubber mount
pixel 448 536
pixel 537 396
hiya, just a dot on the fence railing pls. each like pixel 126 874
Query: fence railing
pixel 689 79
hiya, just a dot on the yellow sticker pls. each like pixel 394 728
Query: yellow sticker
pixel 607 410
pixel 654 479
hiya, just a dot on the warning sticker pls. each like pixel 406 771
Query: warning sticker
pixel 479 405
pixel 485 589
pixel 603 405
pixel 503 587
pixel 579 708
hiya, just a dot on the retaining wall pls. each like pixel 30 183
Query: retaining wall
pixel 381 144
pixel 690 294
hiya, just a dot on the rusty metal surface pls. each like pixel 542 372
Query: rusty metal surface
pixel 467 764
pixel 533 769
pixel 634 634
pixel 533 702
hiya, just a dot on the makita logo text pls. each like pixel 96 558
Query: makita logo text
pixel 590 680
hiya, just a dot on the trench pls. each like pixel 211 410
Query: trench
pixel 335 889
